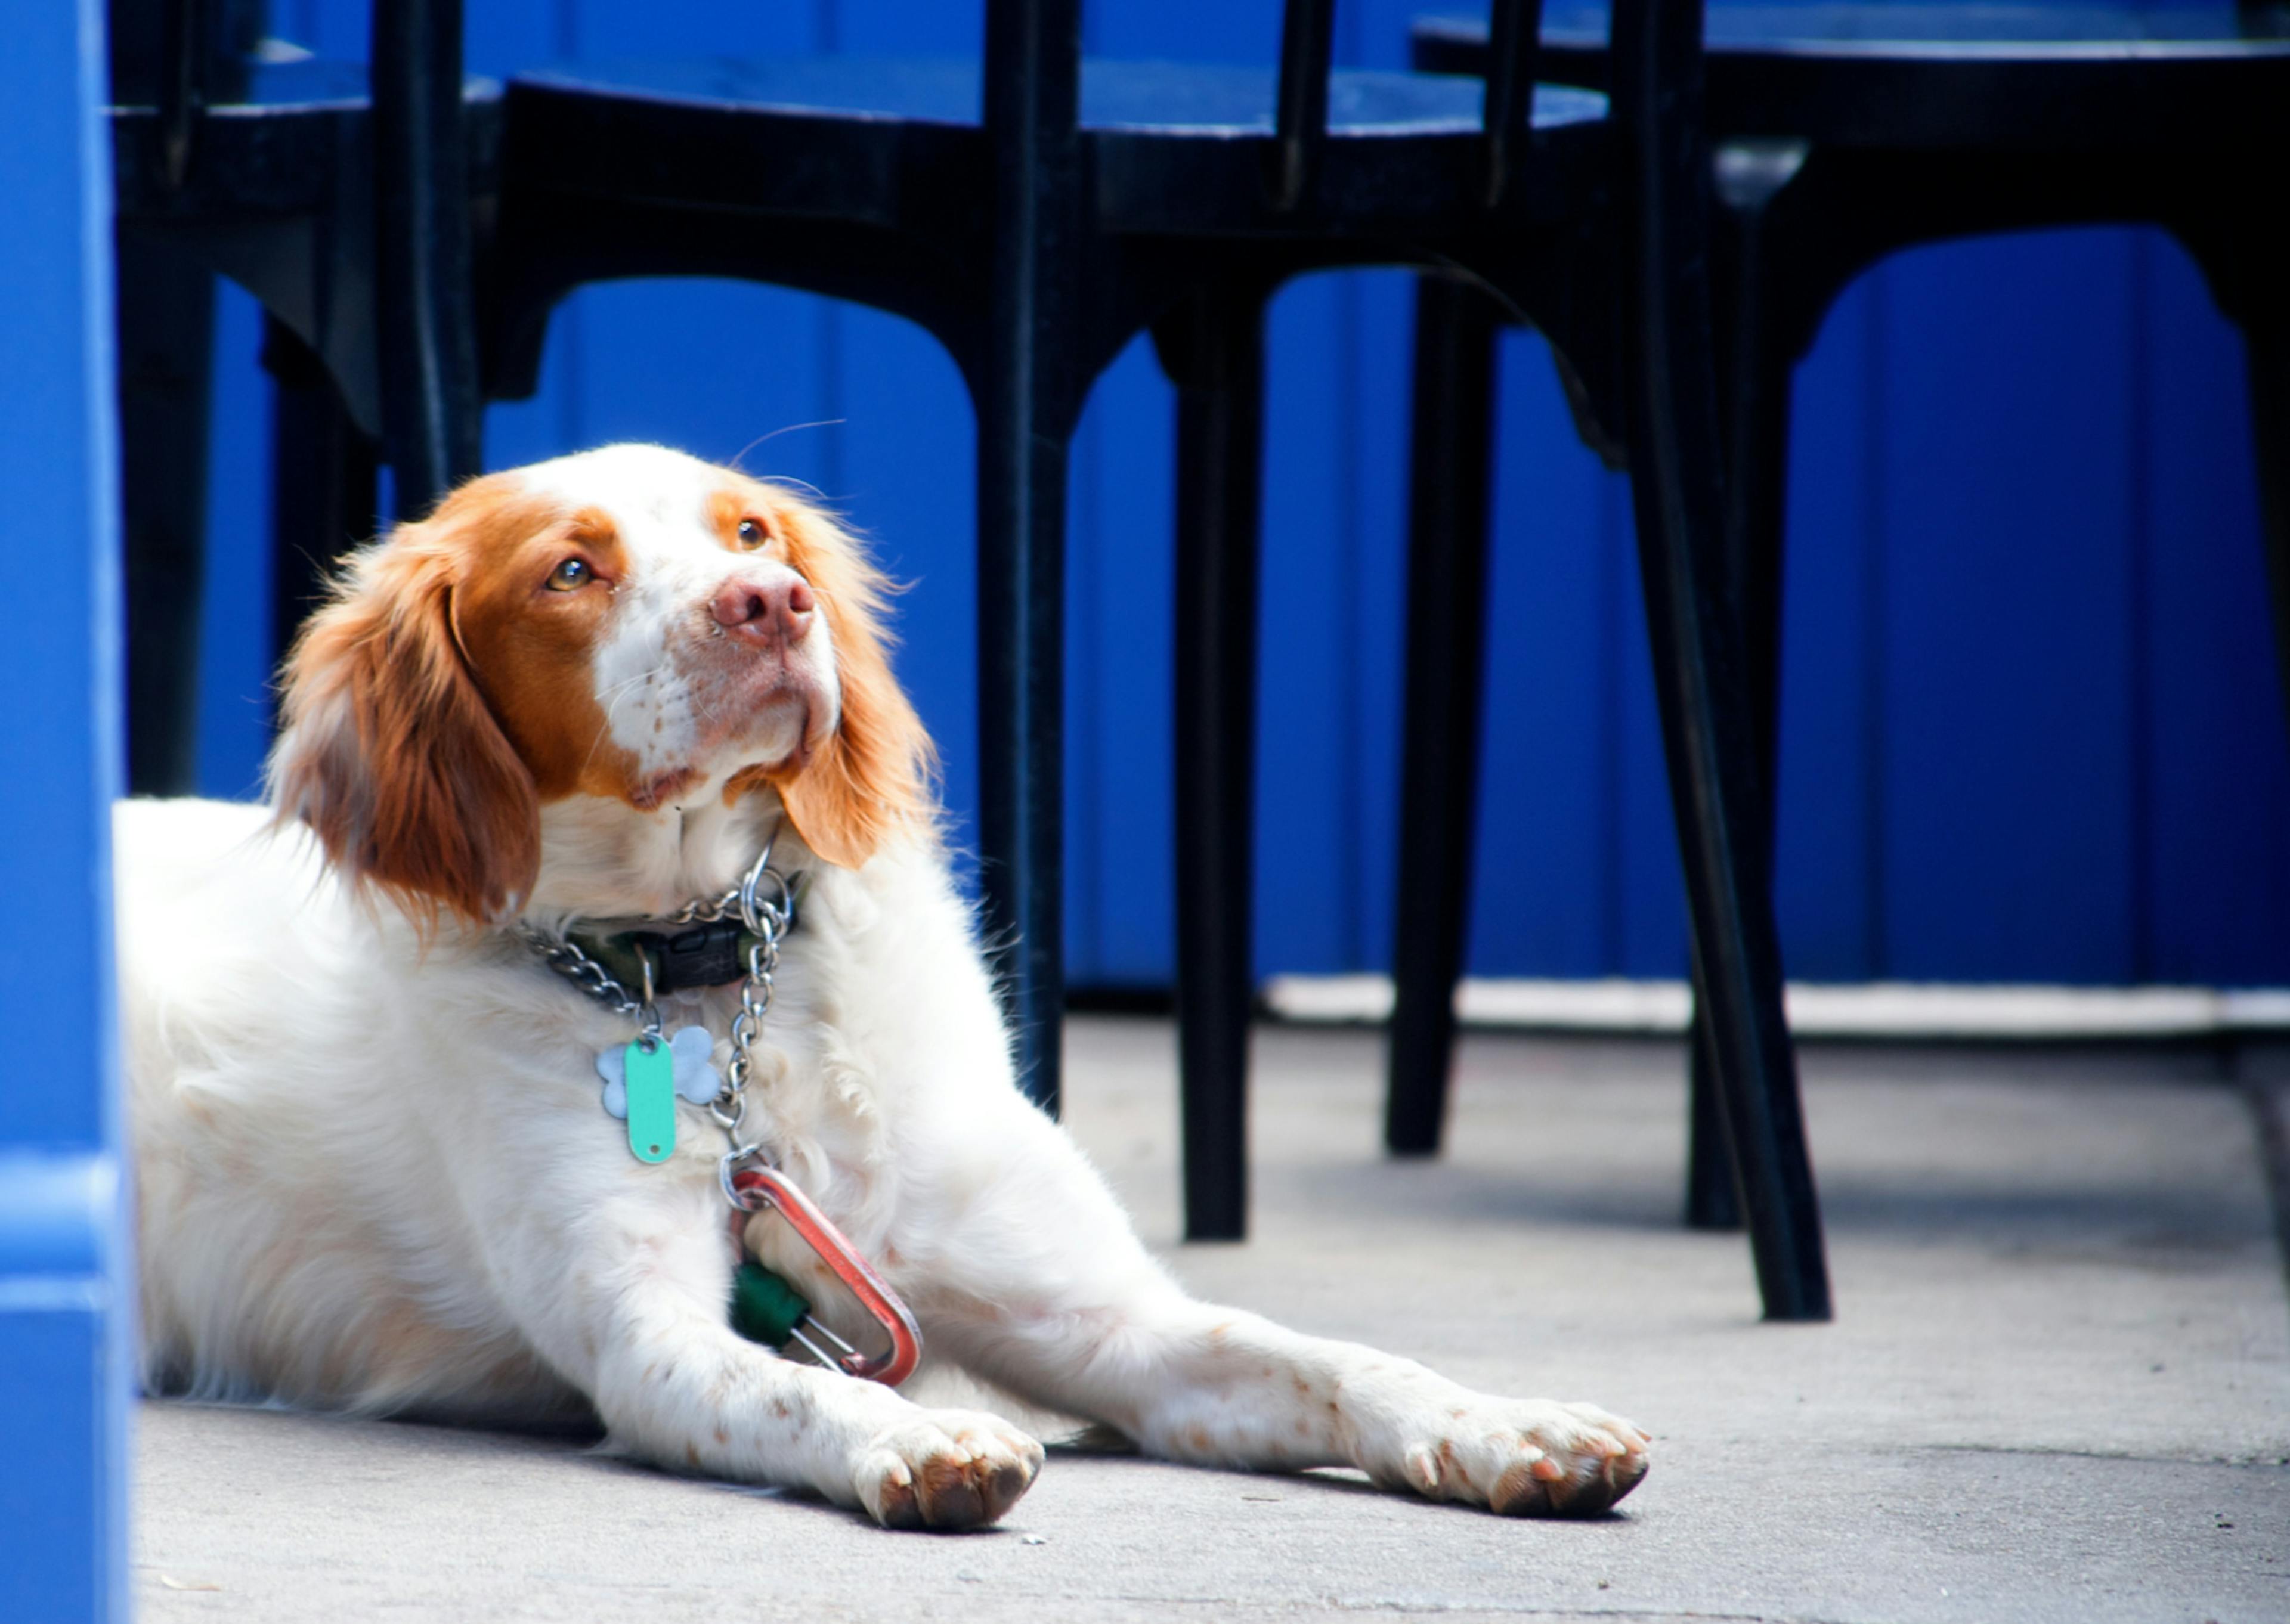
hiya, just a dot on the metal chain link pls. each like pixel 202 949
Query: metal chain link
pixel 563 956
pixel 768 922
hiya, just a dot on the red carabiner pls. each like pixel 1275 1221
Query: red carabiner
pixel 765 1187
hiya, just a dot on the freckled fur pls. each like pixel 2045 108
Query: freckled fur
pixel 371 1168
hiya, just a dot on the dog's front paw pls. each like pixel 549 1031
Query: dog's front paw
pixel 1523 1458
pixel 945 1468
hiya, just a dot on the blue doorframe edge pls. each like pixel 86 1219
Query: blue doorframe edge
pixel 66 1293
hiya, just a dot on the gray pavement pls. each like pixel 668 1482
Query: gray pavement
pixel 2058 1385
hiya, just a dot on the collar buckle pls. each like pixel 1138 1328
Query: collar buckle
pixel 704 956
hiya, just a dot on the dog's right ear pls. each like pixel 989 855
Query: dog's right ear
pixel 390 752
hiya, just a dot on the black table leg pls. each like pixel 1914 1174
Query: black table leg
pixel 167 351
pixel 1450 464
pixel 1214 351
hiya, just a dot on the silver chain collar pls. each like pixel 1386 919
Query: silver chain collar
pixel 768 920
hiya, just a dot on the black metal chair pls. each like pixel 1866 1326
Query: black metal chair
pixel 1034 215
pixel 1843 133
pixel 345 199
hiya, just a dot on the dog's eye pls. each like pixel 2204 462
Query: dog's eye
pixel 752 534
pixel 570 576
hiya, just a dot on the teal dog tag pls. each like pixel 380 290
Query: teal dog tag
pixel 683 1070
pixel 651 1076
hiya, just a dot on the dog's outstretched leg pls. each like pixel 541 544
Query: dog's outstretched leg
pixel 1043 1288
pixel 632 1308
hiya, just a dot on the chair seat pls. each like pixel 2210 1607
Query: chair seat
pixel 1956 77
pixel 2028 30
pixel 1174 99
pixel 887 142
pixel 276 152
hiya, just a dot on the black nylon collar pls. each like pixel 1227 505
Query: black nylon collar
pixel 683 958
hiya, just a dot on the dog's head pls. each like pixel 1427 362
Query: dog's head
pixel 629 624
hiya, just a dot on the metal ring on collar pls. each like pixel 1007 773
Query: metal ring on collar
pixel 734 1160
pixel 752 907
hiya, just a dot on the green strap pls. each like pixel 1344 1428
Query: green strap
pixel 765 1307
pixel 623 956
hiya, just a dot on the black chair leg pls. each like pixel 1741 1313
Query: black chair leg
pixel 1709 727
pixel 1450 461
pixel 1026 396
pixel 425 282
pixel 1213 350
pixel 166 354
pixel 1021 479
pixel 1756 369
pixel 323 483
pixel 1712 1201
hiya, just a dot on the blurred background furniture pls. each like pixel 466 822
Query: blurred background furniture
pixel 342 197
pixel 1845 133
pixel 2028 692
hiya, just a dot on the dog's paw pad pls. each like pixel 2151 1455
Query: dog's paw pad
pixel 946 1468
pixel 1521 1459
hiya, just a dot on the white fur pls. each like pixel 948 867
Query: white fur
pixel 647 668
pixel 376 1175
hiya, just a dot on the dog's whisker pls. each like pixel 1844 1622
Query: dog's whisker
pixel 610 698
pixel 825 422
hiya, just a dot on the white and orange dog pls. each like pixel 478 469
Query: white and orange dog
pixel 372 1168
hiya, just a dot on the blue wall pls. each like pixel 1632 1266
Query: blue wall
pixel 2031 729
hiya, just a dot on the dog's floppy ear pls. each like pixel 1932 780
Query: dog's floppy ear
pixel 872 778
pixel 390 752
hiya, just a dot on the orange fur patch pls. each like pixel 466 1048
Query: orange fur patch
pixel 395 760
pixel 873 778
pixel 446 694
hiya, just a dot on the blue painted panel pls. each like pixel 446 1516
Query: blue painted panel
pixel 2216 875
pixel 908 460
pixel 2006 563
pixel 234 699
pixel 1548 799
pixel 1123 595
pixel 1378 499
pixel 58 472
pixel 2028 728
pixel 1314 674
pixel 1828 823
pixel 60 1553
pixel 64 1267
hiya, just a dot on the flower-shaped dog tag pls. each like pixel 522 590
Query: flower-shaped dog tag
pixel 642 1087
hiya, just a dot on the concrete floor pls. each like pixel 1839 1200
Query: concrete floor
pixel 2058 1385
